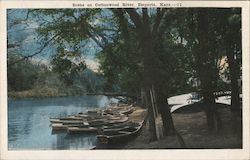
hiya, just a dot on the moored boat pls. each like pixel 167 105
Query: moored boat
pixel 127 111
pixel 82 129
pixel 114 130
pixel 94 120
pixel 117 135
pixel 62 126
pixel 54 120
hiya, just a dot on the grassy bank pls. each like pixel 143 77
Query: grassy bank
pixel 40 92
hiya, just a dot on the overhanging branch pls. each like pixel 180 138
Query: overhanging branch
pixel 36 53
pixel 159 16
pixel 135 17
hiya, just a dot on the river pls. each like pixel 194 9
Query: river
pixel 29 126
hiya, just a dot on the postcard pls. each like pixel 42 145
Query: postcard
pixel 124 80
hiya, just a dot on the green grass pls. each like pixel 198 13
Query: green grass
pixel 39 92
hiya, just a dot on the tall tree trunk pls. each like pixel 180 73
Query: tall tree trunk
pixel 234 76
pixel 150 69
pixel 148 60
pixel 162 103
pixel 205 71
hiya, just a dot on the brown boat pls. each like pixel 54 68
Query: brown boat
pixel 82 129
pixel 117 135
pixel 62 126
pixel 66 121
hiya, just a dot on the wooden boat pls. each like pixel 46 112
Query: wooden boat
pixel 94 112
pixel 119 110
pixel 72 117
pixel 119 135
pixel 116 109
pixel 127 111
pixel 109 120
pixel 82 130
pixel 114 130
pixel 55 120
pixel 58 124
pixel 93 120
pixel 62 126
pixel 118 125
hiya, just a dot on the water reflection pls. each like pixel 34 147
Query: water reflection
pixel 28 122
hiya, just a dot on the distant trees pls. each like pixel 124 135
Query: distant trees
pixel 38 79
pixel 21 76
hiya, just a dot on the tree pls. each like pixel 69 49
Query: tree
pixel 168 56
pixel 205 72
pixel 20 74
pixel 79 25
pixel 206 32
pixel 232 42
pixel 149 31
pixel 67 65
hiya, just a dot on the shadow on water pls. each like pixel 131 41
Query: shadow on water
pixel 29 126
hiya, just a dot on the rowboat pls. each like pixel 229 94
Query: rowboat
pixel 119 134
pixel 108 120
pixel 64 126
pixel 54 120
pixel 94 120
pixel 127 111
pixel 117 125
pixel 71 117
pixel 114 130
pixel 119 110
pixel 61 126
pixel 82 129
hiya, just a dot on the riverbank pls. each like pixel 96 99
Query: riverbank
pixel 191 126
pixel 44 92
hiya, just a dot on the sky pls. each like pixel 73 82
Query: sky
pixel 23 32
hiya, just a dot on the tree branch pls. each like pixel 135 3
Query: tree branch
pixel 135 17
pixel 36 53
pixel 99 34
pixel 158 19
pixel 145 17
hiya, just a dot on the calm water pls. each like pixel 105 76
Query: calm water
pixel 28 122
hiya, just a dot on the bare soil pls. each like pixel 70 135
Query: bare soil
pixel 190 123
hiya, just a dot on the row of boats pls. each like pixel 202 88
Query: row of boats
pixel 111 124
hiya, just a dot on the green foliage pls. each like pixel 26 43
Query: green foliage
pixel 67 65
pixel 219 33
pixel 121 64
pixel 21 76
pixel 71 26
pixel 31 79
pixel 120 54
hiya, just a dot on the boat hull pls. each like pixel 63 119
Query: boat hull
pixel 119 135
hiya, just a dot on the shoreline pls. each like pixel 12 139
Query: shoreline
pixel 23 95
pixel 191 126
